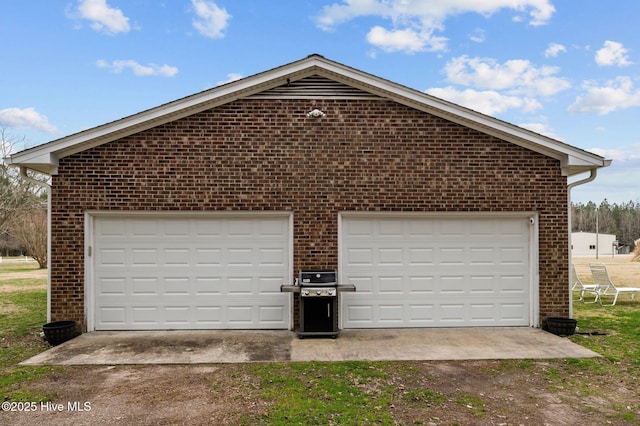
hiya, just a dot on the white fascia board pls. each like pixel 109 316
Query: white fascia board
pixel 43 162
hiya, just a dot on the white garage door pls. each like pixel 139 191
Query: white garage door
pixel 191 273
pixel 435 272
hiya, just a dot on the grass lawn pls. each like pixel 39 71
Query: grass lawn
pixel 23 307
pixel 606 388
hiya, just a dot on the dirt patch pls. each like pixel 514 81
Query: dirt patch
pixel 34 274
pixel 7 308
pixel 439 393
pixel 12 288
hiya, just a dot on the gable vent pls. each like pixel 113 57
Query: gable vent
pixel 314 87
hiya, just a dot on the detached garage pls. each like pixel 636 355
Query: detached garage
pixel 192 214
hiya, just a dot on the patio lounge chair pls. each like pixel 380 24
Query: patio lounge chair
pixel 577 285
pixel 606 286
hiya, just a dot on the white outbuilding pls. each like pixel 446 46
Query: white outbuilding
pixel 592 244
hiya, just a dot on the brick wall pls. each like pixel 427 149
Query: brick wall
pixel 365 155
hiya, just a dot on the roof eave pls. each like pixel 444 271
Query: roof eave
pixel 574 166
pixel 43 162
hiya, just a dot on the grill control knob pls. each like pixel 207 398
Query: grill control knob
pixel 318 292
pixel 305 292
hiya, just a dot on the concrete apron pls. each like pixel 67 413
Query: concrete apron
pixel 233 346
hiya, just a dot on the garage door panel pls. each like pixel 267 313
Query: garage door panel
pixel 208 316
pixel 512 256
pixel 275 314
pixel 360 257
pixel 177 286
pixel 144 315
pixel 391 285
pixel 390 312
pixel 112 317
pixel 513 312
pixel 193 273
pixel 177 257
pixel 113 286
pixel 482 284
pixel 435 272
pixel 111 257
pixel 176 228
pixel 449 284
pixel 144 257
pixel 390 256
pixel 144 287
pixel 177 315
pixel 421 256
pixel 205 229
pixel 208 257
pixel 421 313
pixel 420 285
pixel 208 286
pixel 513 284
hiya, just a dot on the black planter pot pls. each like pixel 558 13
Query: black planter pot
pixel 59 331
pixel 561 326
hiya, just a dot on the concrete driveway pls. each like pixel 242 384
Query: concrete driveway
pixel 231 346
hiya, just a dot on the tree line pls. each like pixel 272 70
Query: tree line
pixel 23 210
pixel 622 220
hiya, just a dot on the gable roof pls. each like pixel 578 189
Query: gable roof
pixel 44 158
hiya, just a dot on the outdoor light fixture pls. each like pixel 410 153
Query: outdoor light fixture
pixel 315 113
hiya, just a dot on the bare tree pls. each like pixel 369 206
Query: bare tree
pixel 9 197
pixel 20 201
pixel 30 229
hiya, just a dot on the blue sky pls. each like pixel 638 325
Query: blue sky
pixel 566 69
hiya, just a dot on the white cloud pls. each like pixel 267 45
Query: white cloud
pixel 554 50
pixel 487 102
pixel 622 154
pixel 478 36
pixel 211 20
pixel 617 183
pixel 230 77
pixel 414 22
pixel 103 17
pixel 616 94
pixel 26 118
pixel 407 40
pixel 517 76
pixel 140 70
pixel 613 53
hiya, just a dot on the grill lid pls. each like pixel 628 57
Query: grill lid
pixel 318 278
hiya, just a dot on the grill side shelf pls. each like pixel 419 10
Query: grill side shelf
pixel 285 288
pixel 346 288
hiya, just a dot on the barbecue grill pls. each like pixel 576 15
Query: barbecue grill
pixel 318 300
